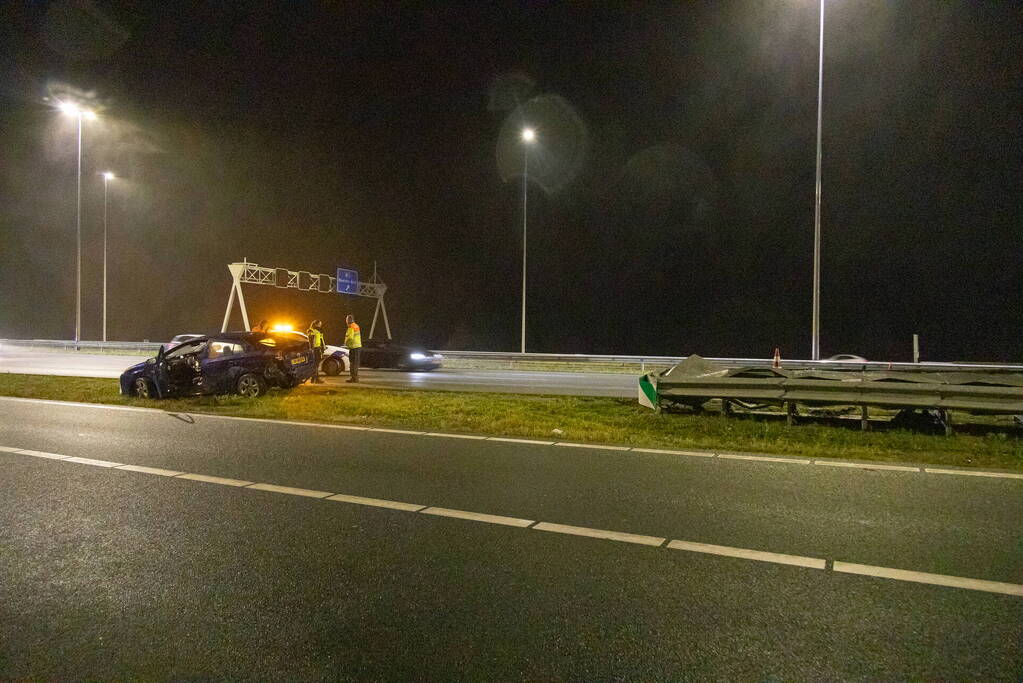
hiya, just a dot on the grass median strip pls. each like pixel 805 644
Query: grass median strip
pixel 520 418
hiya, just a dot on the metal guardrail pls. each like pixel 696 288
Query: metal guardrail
pixel 733 362
pixel 86 346
pixel 642 361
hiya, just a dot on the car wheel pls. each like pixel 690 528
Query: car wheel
pixel 143 389
pixel 251 386
pixel 331 367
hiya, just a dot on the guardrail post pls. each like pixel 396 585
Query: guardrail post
pixel 726 407
pixel 864 418
pixel 790 413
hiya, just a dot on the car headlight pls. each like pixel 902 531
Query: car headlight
pixel 417 356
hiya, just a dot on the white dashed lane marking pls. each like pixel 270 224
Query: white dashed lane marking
pixel 308 493
pixel 92 461
pixel 377 502
pixel 968 473
pixel 215 480
pixel 933 579
pixel 746 554
pixel 477 516
pixel 150 470
pixel 619 536
pixel 600 533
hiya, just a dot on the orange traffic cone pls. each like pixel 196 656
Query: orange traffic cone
pixel 777 358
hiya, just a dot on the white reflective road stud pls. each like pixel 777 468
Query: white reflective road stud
pixel 698 454
pixel 92 461
pixel 866 466
pixel 42 454
pixel 998 475
pixel 747 554
pixel 764 458
pixel 477 517
pixel 308 493
pixel 149 470
pixel 599 533
pixel 933 579
pixel 215 480
pixel 591 445
pixel 377 502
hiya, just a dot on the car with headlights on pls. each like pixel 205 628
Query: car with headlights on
pixel 245 363
pixel 384 353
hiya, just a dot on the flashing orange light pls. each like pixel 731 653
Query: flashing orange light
pixel 282 327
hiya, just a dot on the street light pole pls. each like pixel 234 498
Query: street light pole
pixel 71 109
pixel 815 344
pixel 107 177
pixel 528 135
pixel 78 240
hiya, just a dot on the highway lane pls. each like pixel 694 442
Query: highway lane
pixel 26 361
pixel 125 572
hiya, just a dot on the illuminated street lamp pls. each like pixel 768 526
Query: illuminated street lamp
pixel 815 342
pixel 528 137
pixel 72 109
pixel 107 177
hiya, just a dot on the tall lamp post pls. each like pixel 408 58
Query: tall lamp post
pixel 528 137
pixel 815 343
pixel 107 177
pixel 72 109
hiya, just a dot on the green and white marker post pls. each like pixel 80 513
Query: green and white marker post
pixel 647 393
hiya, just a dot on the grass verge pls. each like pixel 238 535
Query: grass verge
pixel 596 420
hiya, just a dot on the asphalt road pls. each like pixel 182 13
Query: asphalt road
pixel 108 572
pixel 27 361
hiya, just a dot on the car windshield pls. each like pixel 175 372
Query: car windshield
pixel 186 349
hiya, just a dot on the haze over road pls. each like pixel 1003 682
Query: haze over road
pixel 114 569
pixel 68 363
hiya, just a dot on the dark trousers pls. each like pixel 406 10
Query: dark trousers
pixel 318 354
pixel 354 358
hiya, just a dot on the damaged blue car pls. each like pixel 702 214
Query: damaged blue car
pixel 245 363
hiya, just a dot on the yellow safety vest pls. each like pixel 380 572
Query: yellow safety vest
pixel 315 337
pixel 353 337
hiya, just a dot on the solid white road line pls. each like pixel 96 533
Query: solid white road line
pixel 42 454
pixel 866 466
pixel 9 449
pixel 591 445
pixel 933 579
pixel 92 461
pixel 763 458
pixel 1000 475
pixel 698 454
pixel 507 440
pixel 599 533
pixel 477 517
pixel 322 425
pixel 215 480
pixel 455 436
pixel 746 554
pixel 377 502
pixel 149 470
pixel 308 493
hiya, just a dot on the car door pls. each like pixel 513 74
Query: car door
pixel 371 354
pixel 179 369
pixel 222 355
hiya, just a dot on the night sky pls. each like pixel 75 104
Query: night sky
pixel 671 189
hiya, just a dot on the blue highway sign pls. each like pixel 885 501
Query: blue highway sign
pixel 347 281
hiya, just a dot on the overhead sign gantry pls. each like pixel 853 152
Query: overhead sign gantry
pixel 345 282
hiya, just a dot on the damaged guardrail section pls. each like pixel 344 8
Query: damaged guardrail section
pixel 697 380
